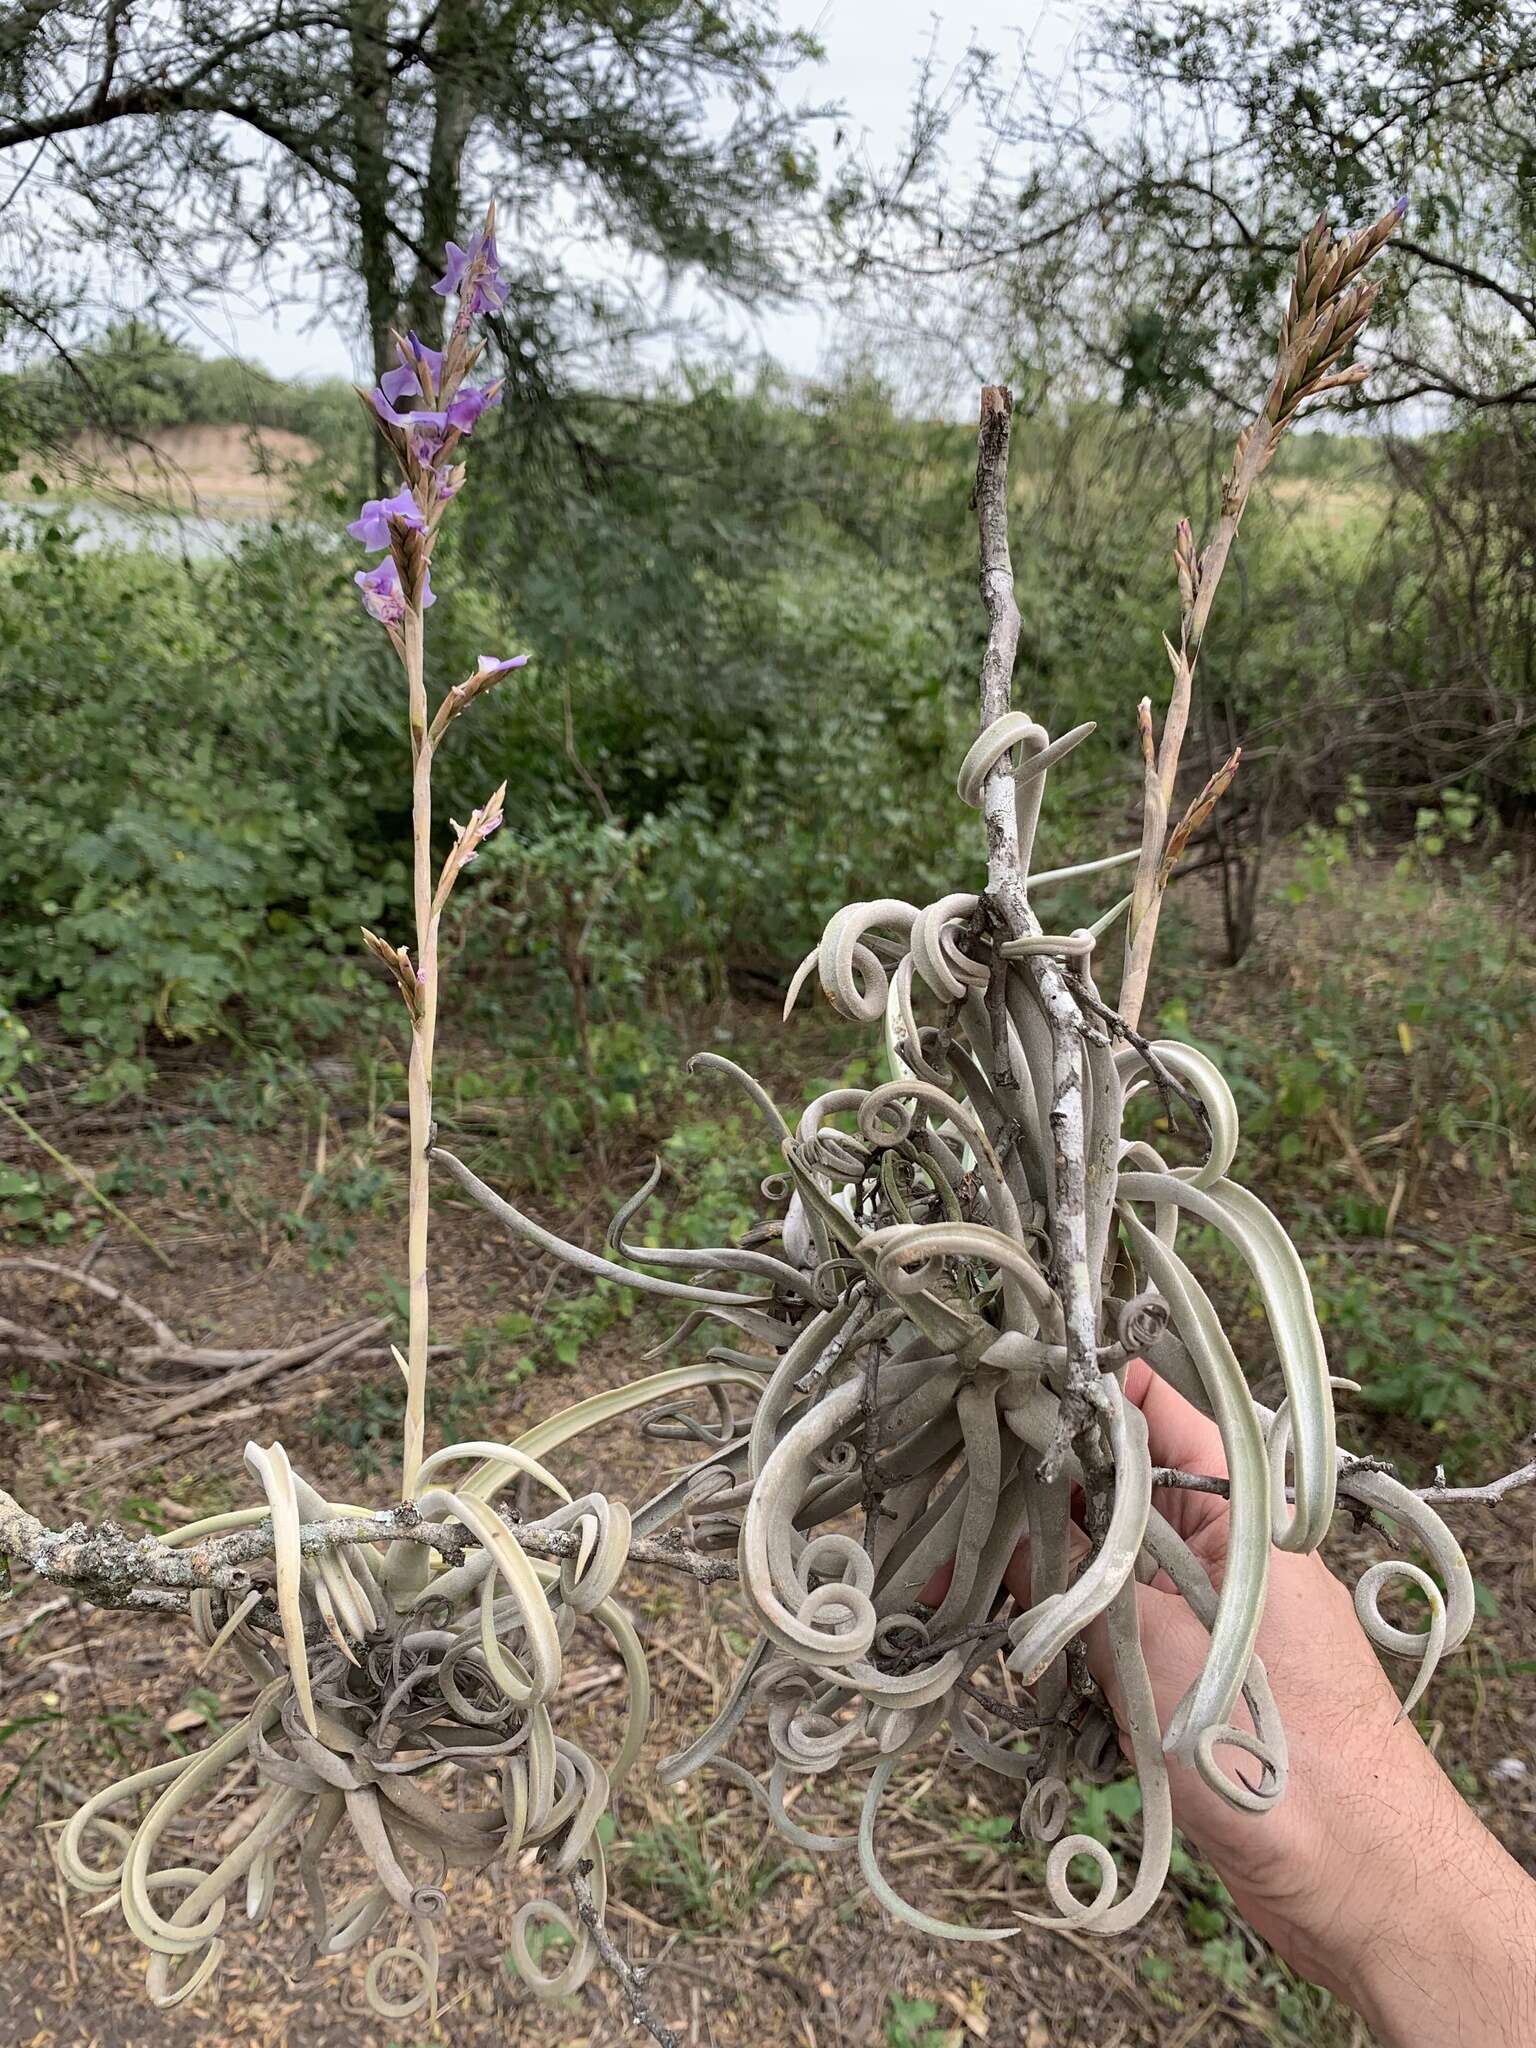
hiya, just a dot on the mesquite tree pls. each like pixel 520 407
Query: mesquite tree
pixel 926 1339
pixel 203 139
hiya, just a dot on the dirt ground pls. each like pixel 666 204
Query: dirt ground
pixel 751 1944
pixel 232 470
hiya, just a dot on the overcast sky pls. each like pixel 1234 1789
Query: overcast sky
pixel 874 49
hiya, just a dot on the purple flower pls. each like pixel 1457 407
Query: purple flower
pixel 420 421
pixel 495 670
pixel 420 373
pixel 394 384
pixel 371 526
pixel 480 829
pixel 465 410
pixel 383 598
pixel 476 272
pixel 429 358
pixel 383 400
pixel 428 431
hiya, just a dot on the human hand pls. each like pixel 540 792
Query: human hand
pixel 1370 1876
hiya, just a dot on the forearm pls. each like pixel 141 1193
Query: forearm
pixel 1441 1950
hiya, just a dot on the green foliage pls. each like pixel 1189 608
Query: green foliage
pixel 34 1205
pixel 703 1887
pixel 177 839
pixel 911 2023
pixel 496 1360
pixel 1422 1336
pixel 1385 1081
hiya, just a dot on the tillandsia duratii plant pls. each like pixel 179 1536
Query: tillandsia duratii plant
pixel 930 1329
pixel 404 1660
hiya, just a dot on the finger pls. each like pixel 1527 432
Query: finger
pixel 1177 1433
pixel 938 1586
pixel 1016 1573
pixel 1179 1436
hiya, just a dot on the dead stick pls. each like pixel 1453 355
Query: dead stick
pixel 1085 1399
pixel 631 1979
pixel 315 1353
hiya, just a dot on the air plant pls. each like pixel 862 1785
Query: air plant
pixel 399 1663
pixel 930 1325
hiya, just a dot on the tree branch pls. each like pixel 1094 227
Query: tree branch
pixel 1008 892
pixel 1489 1495
pixel 105 1565
pixel 631 1979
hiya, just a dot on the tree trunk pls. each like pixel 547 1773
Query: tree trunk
pixel 367 30
pixel 455 41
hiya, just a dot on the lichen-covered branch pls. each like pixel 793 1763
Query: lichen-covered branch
pixel 1007 888
pixel 631 1980
pixel 103 1563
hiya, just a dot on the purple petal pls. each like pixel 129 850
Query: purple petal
pixel 371 526
pixel 384 407
pixel 403 508
pixel 490 293
pixel 465 410
pixel 432 357
pixel 381 592
pixel 398 384
pixel 453 276
pixel 428 431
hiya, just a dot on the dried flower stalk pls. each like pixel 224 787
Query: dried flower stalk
pixel 1329 305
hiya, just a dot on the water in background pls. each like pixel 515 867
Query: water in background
pixel 184 536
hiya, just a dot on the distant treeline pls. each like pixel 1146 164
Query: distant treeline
pixel 135 377
pixel 755 635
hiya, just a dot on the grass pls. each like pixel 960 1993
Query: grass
pixel 693 1884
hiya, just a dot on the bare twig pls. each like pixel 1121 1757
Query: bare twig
pixel 1489 1495
pixel 1495 1490
pixel 1168 1085
pixel 632 1980
pixel 1084 1396
pixel 104 1563
pixel 316 1352
pixel 166 1343
pixel 243 1367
